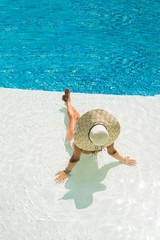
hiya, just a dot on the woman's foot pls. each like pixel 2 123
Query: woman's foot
pixel 66 96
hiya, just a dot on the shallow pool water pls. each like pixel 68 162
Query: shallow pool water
pixel 102 199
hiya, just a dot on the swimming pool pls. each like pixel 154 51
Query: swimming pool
pixel 108 47
pixel 103 47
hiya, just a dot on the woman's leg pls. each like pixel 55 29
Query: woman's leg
pixel 72 114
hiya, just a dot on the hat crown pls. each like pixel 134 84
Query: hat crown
pixel 99 135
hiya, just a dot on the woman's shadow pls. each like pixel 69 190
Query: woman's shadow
pixel 85 177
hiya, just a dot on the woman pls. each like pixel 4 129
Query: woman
pixel 95 130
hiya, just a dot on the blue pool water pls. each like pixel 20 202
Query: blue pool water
pixel 103 46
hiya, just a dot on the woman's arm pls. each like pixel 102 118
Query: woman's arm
pixel 72 162
pixel 75 158
pixel 113 152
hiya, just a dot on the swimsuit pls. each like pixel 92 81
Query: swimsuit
pixel 71 142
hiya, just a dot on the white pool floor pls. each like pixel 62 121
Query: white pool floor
pixel 102 199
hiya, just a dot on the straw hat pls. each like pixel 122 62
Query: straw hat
pixel 95 130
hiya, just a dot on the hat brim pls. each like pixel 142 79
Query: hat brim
pixel 90 119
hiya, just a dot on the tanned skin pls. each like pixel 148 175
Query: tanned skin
pixel 73 116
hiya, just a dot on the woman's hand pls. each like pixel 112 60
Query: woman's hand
pixel 62 177
pixel 128 161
